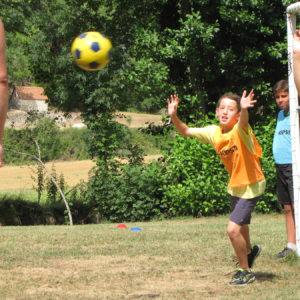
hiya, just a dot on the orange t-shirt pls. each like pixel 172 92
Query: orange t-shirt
pixel 248 146
pixel 243 165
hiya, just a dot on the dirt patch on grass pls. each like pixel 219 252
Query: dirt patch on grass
pixel 136 120
pixel 172 259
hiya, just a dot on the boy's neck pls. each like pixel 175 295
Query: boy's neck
pixel 226 129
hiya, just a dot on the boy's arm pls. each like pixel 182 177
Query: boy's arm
pixel 3 86
pixel 182 128
pixel 246 102
pixel 296 60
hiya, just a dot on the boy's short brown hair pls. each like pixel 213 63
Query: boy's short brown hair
pixel 281 85
pixel 234 97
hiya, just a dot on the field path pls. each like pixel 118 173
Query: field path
pixel 19 177
pixel 14 178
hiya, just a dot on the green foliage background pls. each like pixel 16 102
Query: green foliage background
pixel 198 49
pixel 54 143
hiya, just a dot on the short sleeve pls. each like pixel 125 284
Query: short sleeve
pixel 204 134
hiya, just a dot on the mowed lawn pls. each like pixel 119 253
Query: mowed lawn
pixel 171 259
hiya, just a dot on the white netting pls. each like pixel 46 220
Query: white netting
pixel 292 10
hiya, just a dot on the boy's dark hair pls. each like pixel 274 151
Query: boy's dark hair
pixel 281 85
pixel 234 97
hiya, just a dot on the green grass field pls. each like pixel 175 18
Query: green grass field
pixel 172 259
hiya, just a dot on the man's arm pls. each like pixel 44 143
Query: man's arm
pixel 246 102
pixel 182 128
pixel 296 60
pixel 3 86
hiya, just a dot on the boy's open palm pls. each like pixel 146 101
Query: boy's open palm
pixel 173 102
pixel 247 101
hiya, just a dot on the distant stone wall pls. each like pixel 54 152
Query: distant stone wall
pixel 30 105
pixel 17 118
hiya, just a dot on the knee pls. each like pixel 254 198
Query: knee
pixel 288 210
pixel 232 231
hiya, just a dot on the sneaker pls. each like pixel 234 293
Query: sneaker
pixel 252 256
pixel 286 251
pixel 242 277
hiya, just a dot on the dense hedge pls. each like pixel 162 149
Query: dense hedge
pixel 195 182
pixel 15 210
pixel 189 180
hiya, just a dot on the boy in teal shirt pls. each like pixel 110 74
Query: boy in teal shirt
pixel 282 153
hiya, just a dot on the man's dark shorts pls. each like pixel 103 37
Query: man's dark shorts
pixel 285 193
pixel 241 209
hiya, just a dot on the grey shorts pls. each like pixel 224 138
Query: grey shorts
pixel 285 192
pixel 241 209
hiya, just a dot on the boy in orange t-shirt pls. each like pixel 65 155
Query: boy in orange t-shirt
pixel 239 151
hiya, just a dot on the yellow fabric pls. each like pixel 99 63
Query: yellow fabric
pixel 204 134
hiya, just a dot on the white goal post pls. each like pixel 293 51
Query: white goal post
pixel 292 11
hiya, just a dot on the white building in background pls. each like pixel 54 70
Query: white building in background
pixel 28 98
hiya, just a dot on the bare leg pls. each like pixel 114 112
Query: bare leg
pixel 239 237
pixel 246 235
pixel 290 223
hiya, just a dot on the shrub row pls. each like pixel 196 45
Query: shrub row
pixel 14 210
pixel 62 144
pixel 54 143
pixel 188 180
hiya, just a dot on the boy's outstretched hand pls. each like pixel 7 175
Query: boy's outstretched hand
pixel 247 101
pixel 173 105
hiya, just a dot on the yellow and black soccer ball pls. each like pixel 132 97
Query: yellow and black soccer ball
pixel 91 50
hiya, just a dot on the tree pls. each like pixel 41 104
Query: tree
pixel 227 46
pixel 197 49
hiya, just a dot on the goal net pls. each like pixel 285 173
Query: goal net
pixel 292 11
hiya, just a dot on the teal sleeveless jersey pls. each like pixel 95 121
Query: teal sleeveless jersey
pixel 282 148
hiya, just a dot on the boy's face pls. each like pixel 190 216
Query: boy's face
pixel 283 100
pixel 228 113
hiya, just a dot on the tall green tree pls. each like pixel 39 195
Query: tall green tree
pixel 97 94
pixel 198 49
pixel 221 46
